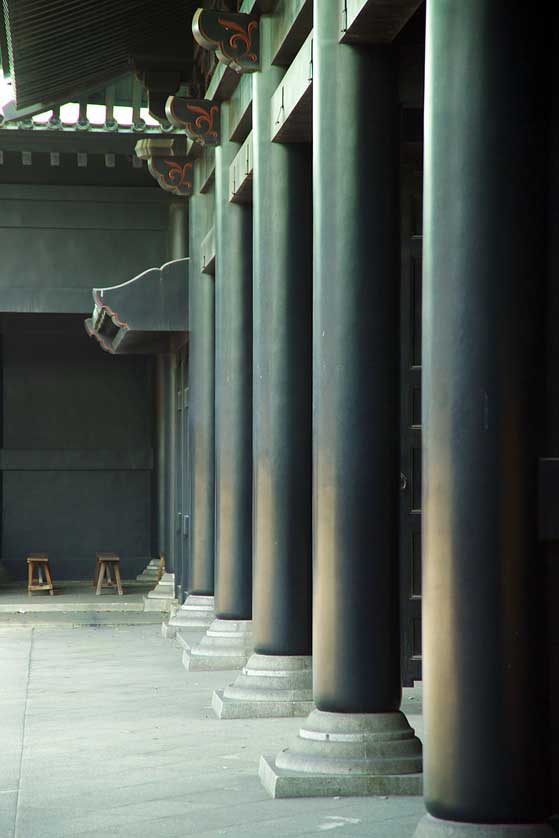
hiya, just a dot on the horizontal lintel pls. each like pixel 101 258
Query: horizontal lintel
pixel 207 252
pixel 291 106
pixel 293 21
pixel 374 21
pixel 240 174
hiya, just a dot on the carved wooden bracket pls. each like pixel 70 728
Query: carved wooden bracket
pixel 200 118
pixel 168 164
pixel 234 37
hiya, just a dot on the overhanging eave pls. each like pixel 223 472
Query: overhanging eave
pixel 141 315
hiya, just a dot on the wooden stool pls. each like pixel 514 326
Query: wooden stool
pixel 40 563
pixel 107 567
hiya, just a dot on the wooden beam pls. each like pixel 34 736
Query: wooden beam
pixel 73 142
pixel 241 110
pixel 207 252
pixel 292 24
pixel 240 174
pixel 206 169
pixel 374 21
pixel 222 83
pixel 258 6
pixel 292 101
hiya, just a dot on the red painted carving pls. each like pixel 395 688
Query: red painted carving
pixel 233 37
pixel 198 117
pixel 241 36
pixel 174 174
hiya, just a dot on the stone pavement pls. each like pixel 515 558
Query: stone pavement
pixel 105 735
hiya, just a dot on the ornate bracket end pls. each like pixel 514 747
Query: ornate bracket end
pixel 235 38
pixel 199 118
pixel 172 170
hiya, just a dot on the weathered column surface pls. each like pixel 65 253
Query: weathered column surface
pixel 277 680
pixel 178 249
pixel 356 741
pixel 162 597
pixel 486 722
pixel 198 608
pixel 228 641
pixel 150 573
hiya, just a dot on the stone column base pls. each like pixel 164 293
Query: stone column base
pixel 268 686
pixel 163 595
pixel 347 754
pixel 150 573
pixel 196 612
pixel 430 827
pixel 227 644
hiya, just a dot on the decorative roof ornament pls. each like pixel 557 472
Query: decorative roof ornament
pixel 234 37
pixel 168 164
pixel 199 118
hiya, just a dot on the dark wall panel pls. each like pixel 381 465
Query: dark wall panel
pixel 77 449
pixel 65 392
pixel 57 243
pixel 74 514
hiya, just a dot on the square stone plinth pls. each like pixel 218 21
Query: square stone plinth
pixel 158 603
pixel 228 708
pixel 168 631
pixel 207 663
pixel 279 783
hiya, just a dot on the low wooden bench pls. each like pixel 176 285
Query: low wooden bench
pixel 107 572
pixel 39 562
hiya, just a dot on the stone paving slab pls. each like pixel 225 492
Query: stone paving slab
pixel 75 619
pixel 108 735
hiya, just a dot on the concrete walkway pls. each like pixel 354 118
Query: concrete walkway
pixel 105 735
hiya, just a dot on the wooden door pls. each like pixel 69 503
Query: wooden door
pixel 410 418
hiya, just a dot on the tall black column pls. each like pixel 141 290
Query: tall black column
pixel 178 229
pixel 233 393
pixel 282 347
pixel 278 677
pixel 485 703
pixel 229 640
pixel 355 408
pixel 178 249
pixel 171 471
pixel 161 410
pixel 201 416
pixel 356 361
pixel 166 484
pixel 198 608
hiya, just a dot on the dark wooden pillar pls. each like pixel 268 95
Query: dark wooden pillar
pixel 485 702
pixel 178 228
pixel 356 633
pixel 233 393
pixel 356 734
pixel 228 642
pixel 282 196
pixel 201 361
pixel 170 375
pixel 277 680
pixel 197 610
pixel 178 249
pixel 161 410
